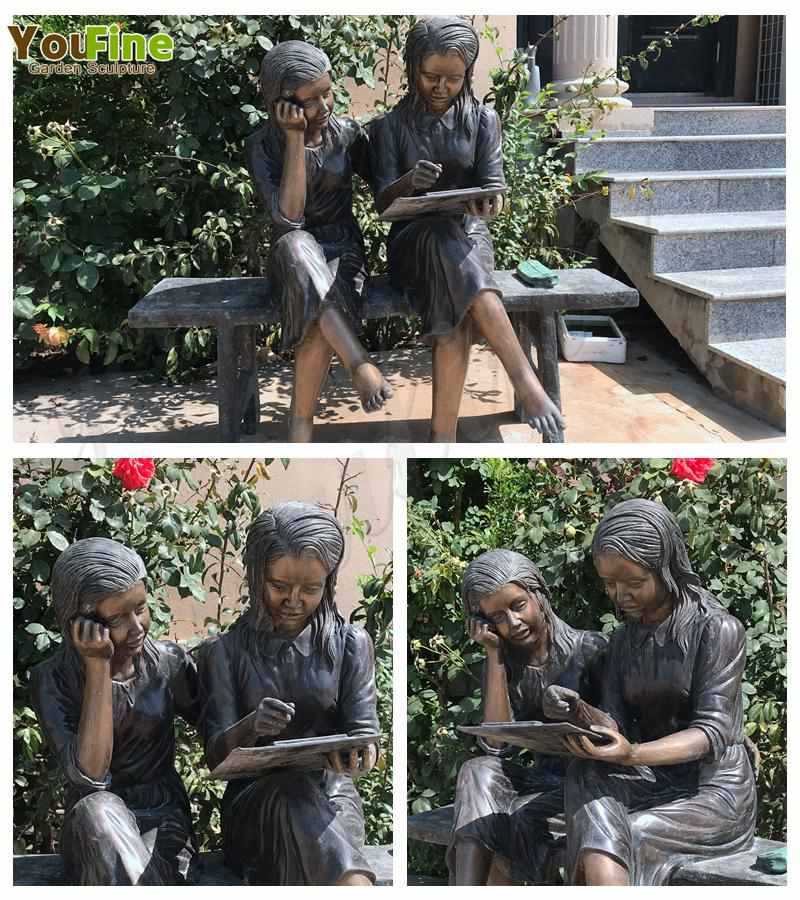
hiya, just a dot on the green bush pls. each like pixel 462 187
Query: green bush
pixel 189 535
pixel 735 527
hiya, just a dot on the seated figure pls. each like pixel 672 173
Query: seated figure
pixel 508 816
pixel 302 162
pixel 439 137
pixel 106 702
pixel 675 783
pixel 291 668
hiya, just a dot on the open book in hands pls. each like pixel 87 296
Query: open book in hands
pixel 301 753
pixel 443 202
pixel 542 737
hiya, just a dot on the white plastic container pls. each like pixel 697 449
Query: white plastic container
pixel 581 342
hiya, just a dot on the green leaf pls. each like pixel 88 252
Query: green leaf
pixel 57 540
pixel 88 191
pixel 83 353
pixel 87 276
pixel 24 307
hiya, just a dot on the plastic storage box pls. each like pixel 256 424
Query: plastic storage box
pixel 591 339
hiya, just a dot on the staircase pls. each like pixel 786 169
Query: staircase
pixel 707 250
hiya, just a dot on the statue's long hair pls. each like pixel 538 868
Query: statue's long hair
pixel 440 35
pixel 288 66
pixel 294 529
pixel 646 533
pixel 85 573
pixel 493 570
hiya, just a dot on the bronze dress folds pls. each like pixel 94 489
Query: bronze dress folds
pixel 442 262
pixel 319 259
pixel 290 826
pixel 517 811
pixel 654 820
pixel 137 820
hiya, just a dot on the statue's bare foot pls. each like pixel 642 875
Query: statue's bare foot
pixel 300 430
pixel 541 413
pixel 373 389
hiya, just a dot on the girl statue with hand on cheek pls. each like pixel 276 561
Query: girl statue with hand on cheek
pixel 106 701
pixel 302 162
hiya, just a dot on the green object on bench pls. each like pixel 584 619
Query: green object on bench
pixel 773 862
pixel 536 274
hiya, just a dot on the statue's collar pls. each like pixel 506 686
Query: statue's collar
pixel 639 633
pixel 274 643
pixel 448 119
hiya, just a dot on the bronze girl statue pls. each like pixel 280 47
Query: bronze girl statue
pixel 292 668
pixel 675 783
pixel 302 163
pixel 439 136
pixel 106 702
pixel 508 817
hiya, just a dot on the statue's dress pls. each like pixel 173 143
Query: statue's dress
pixel 320 258
pixel 442 262
pixel 515 810
pixel 291 826
pixel 655 819
pixel 134 827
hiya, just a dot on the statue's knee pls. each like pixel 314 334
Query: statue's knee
pixel 294 243
pixel 476 774
pixel 98 814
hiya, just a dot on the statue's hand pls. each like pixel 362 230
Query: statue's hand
pixel 560 703
pixel 424 175
pixel 486 207
pixel 290 116
pixel 272 716
pixel 484 634
pixel 355 763
pixel 618 749
pixel 92 640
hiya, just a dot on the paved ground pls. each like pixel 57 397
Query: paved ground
pixel 654 397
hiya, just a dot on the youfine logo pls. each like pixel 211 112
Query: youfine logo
pixel 120 50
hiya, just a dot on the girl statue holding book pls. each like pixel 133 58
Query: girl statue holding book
pixel 291 668
pixel 508 816
pixel 302 162
pixel 106 702
pixel 674 783
pixel 440 137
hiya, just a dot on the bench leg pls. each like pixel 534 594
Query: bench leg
pixel 547 351
pixel 228 397
pixel 248 380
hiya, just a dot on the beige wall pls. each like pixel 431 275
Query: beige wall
pixel 363 98
pixel 312 481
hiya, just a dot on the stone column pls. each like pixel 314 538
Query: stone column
pixel 587 47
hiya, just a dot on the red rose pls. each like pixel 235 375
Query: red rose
pixel 692 469
pixel 134 473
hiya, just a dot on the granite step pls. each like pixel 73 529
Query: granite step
pixel 689 242
pixel 693 120
pixel 764 356
pixel 682 152
pixel 740 303
pixel 767 282
pixel 720 190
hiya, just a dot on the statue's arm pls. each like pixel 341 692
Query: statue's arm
pixel 267 167
pixel 358 697
pixel 95 743
pixel 221 727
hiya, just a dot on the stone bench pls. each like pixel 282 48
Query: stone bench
pixel 208 869
pixel 735 869
pixel 235 307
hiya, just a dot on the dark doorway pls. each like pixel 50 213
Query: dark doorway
pixel 700 60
